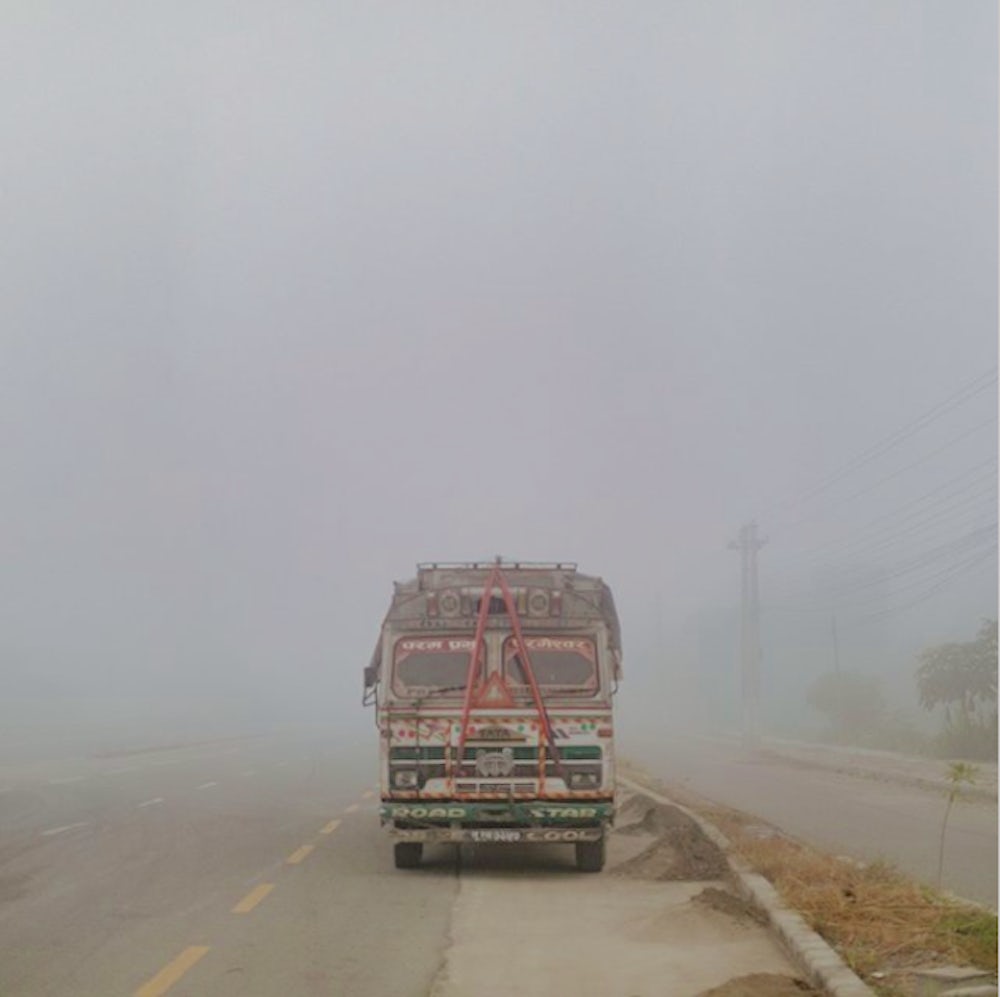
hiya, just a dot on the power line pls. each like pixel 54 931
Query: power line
pixel 835 598
pixel 970 539
pixel 879 541
pixel 902 470
pixel 896 514
pixel 967 518
pixel 968 391
pixel 958 570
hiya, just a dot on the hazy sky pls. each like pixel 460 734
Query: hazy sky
pixel 295 295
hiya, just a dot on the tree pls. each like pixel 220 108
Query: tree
pixel 854 704
pixel 962 678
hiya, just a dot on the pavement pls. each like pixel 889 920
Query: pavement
pixel 539 929
pixel 822 796
pixel 820 964
pixel 887 766
pixel 256 867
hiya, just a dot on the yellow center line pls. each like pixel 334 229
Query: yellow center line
pixel 331 827
pixel 352 808
pixel 253 898
pixel 299 854
pixel 172 972
pixel 367 794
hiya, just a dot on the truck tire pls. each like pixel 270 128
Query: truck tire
pixel 590 855
pixel 408 854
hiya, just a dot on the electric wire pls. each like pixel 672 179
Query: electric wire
pixel 957 571
pixel 879 541
pixel 896 516
pixel 959 397
pixel 970 539
pixel 835 598
pixel 901 470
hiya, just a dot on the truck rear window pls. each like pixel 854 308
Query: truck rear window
pixel 564 664
pixel 428 666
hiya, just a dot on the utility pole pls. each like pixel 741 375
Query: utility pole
pixel 748 543
pixel 836 644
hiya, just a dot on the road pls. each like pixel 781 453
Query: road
pixel 849 815
pixel 255 867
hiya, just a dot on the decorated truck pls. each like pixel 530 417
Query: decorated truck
pixel 493 685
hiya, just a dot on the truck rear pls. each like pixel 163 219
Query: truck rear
pixel 493 686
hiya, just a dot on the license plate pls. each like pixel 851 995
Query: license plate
pixel 497 834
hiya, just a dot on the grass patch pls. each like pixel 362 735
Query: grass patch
pixel 875 917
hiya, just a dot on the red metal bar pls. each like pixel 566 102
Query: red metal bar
pixel 484 608
pixel 529 671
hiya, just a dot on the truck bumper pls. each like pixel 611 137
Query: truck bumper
pixel 498 835
pixel 535 821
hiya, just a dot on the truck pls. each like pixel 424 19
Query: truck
pixel 493 684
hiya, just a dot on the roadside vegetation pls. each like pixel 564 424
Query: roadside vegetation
pixel 882 923
pixel 956 682
pixel 961 680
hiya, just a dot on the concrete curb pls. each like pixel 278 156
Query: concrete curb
pixel 861 771
pixel 820 963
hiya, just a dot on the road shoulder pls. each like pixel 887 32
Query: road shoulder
pixel 635 930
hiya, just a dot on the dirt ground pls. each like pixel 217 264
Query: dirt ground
pixel 678 851
pixel 762 985
pixel 728 903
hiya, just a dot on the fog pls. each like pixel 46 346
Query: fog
pixel 295 296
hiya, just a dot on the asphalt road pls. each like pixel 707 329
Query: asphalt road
pixel 849 815
pixel 255 867
pixel 113 869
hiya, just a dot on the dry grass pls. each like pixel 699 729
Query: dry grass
pixel 873 915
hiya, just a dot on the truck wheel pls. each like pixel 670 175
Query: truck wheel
pixel 590 855
pixel 408 854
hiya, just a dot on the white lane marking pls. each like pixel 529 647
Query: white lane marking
pixel 149 803
pixel 208 785
pixel 67 779
pixel 249 772
pixel 66 827
pixel 124 768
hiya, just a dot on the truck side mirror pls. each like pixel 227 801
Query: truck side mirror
pixel 371 676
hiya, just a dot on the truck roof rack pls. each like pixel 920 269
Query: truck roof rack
pixel 487 565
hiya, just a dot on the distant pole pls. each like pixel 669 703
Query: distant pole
pixel 748 544
pixel 836 644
